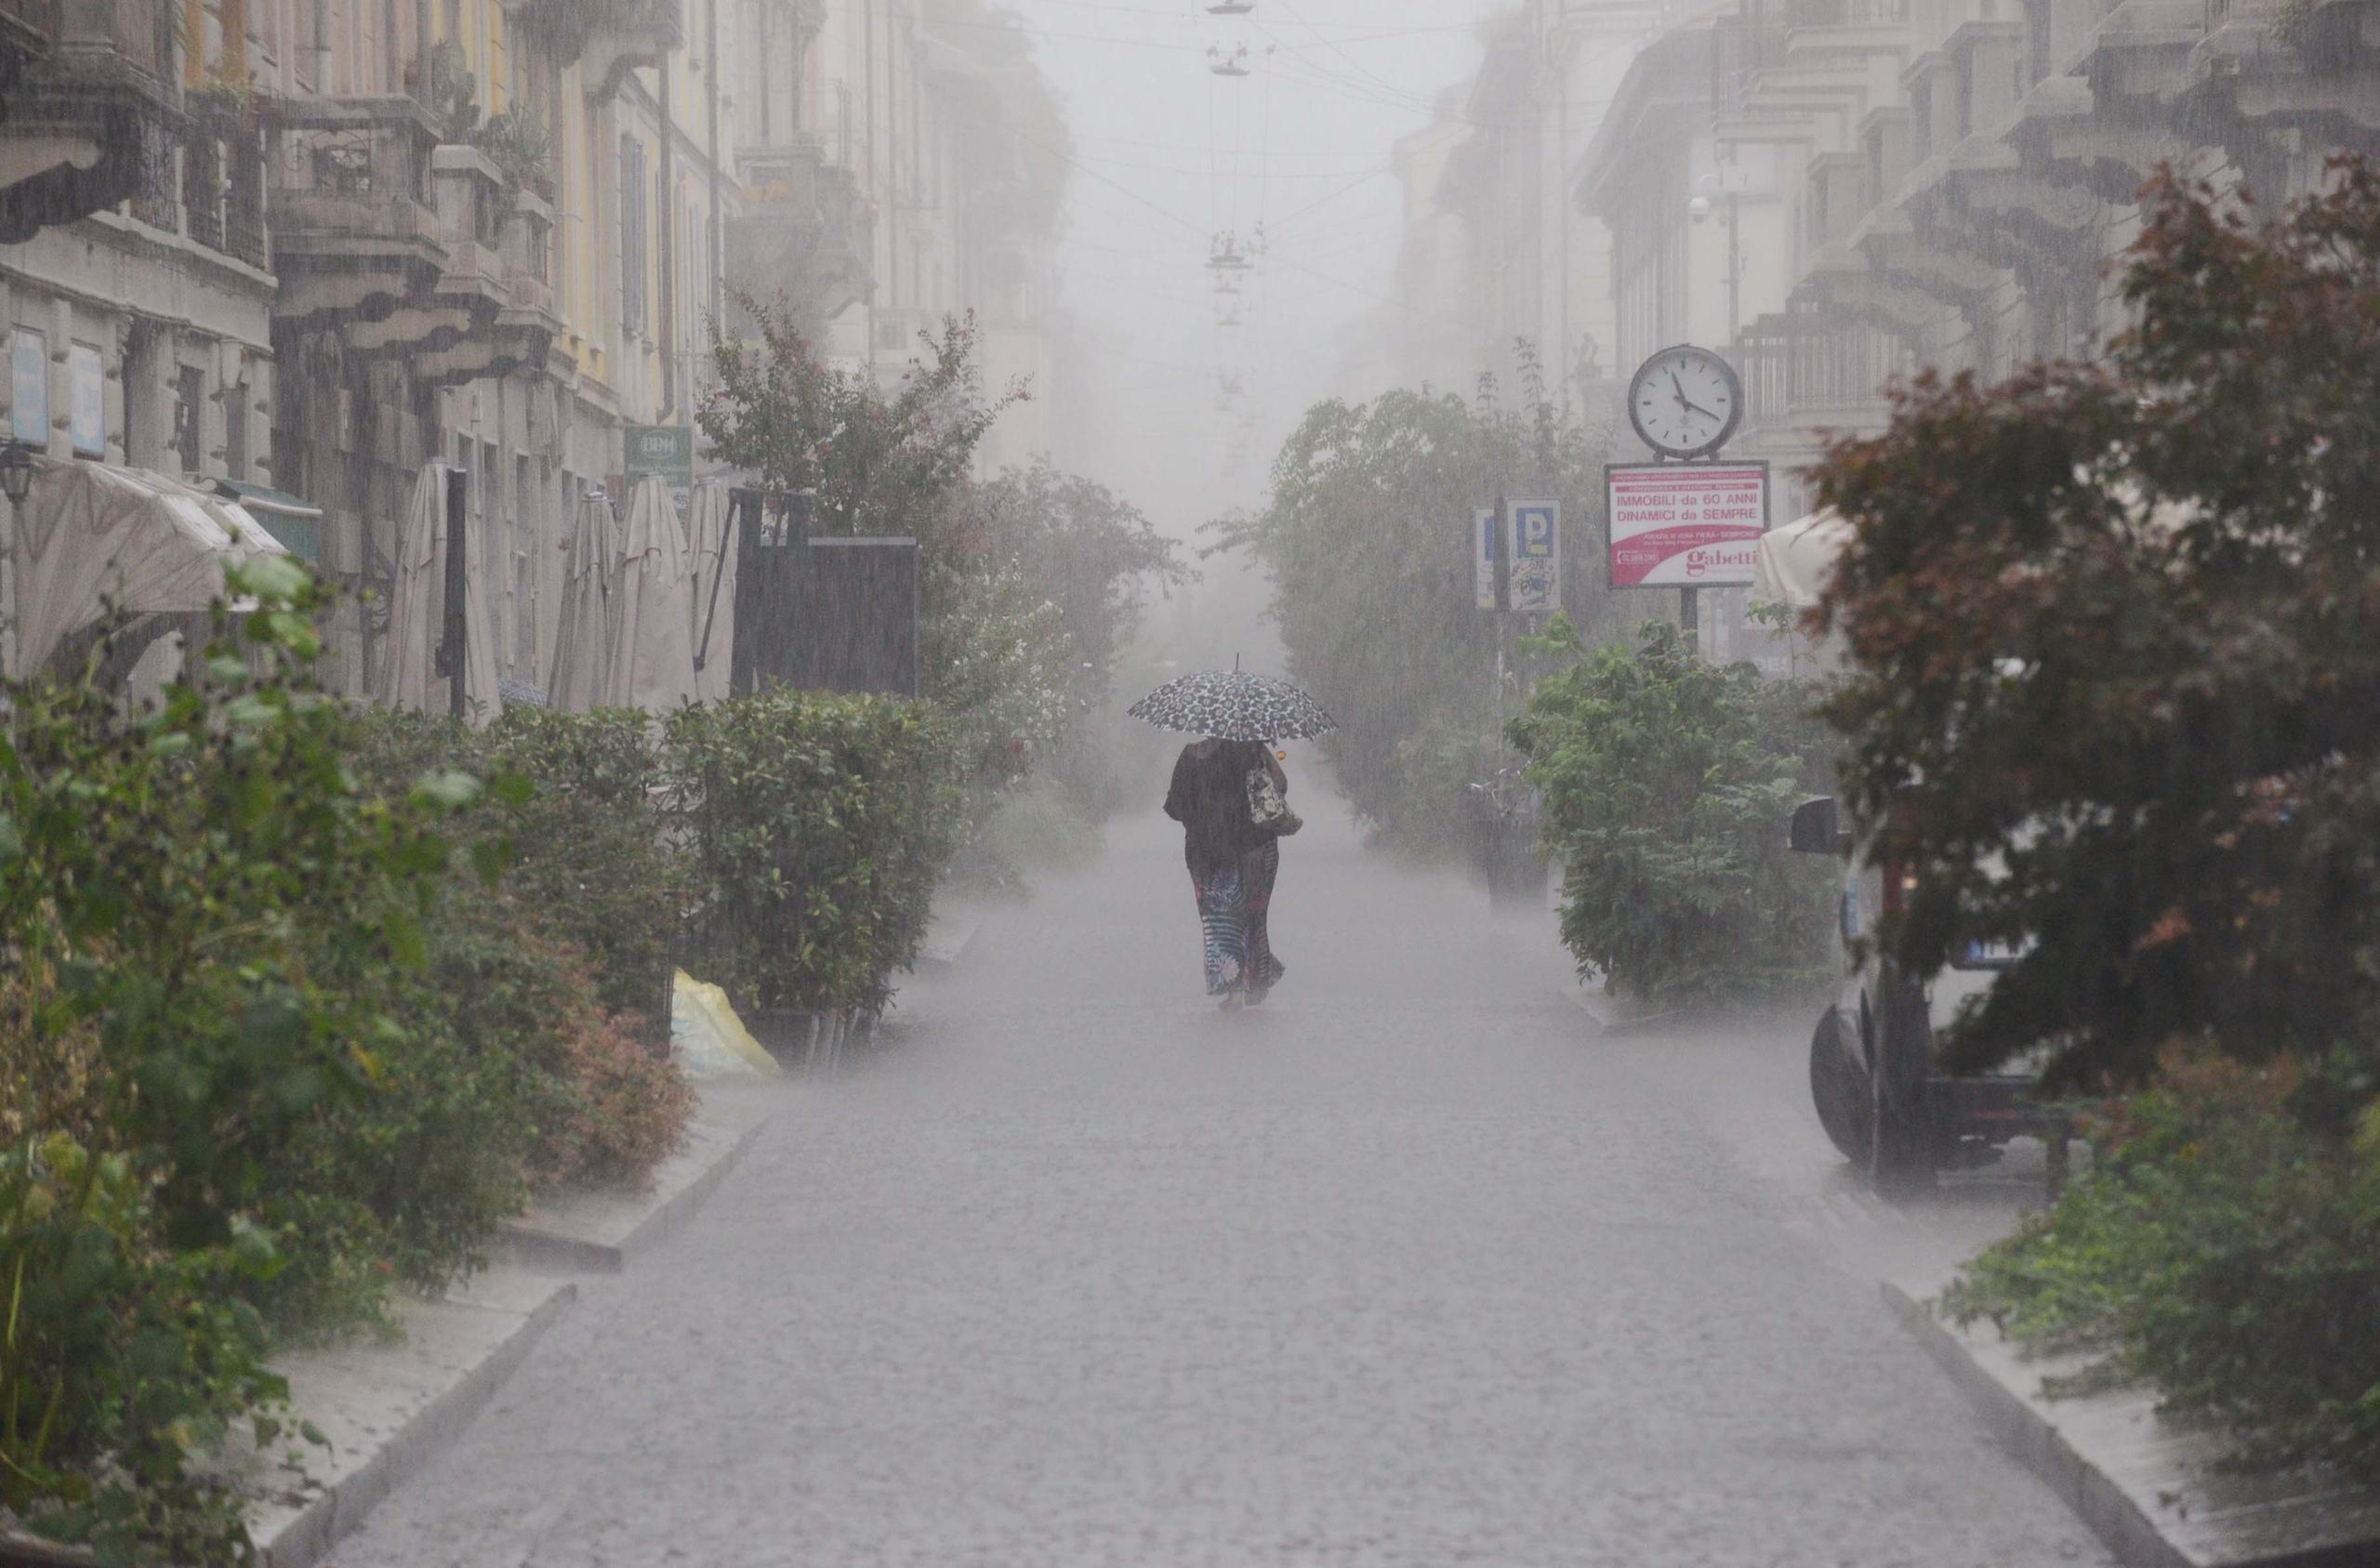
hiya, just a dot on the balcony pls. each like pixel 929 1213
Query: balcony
pixel 358 238
pixel 406 247
pixel 608 38
pixel 1807 369
pixel 223 187
pixel 1772 35
pixel 806 230
pixel 94 117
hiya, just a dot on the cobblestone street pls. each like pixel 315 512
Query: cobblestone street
pixel 1406 1268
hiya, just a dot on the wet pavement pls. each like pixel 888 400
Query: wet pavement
pixel 1408 1267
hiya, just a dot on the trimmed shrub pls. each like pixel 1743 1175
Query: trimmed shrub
pixel 1668 783
pixel 819 826
pixel 576 827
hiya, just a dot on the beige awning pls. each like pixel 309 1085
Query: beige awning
pixel 91 538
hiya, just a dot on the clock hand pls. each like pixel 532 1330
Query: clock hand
pixel 1698 408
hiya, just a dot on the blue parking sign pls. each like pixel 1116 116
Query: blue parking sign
pixel 1536 583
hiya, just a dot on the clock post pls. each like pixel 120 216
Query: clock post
pixel 1684 402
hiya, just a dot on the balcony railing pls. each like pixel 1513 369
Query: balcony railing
pixel 1802 367
pixel 222 191
pixel 1758 36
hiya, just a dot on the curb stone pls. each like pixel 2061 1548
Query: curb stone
pixel 2153 1490
pixel 390 1409
pixel 597 1231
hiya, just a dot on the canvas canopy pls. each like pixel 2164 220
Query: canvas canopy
pixel 1794 560
pixel 1792 568
pixel 407 676
pixel 90 539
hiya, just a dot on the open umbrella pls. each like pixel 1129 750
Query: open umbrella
pixel 1235 705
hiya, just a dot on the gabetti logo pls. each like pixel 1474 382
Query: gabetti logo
pixel 1730 559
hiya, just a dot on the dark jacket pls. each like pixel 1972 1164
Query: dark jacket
pixel 1209 799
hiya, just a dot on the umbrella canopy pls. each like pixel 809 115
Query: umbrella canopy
pixel 652 637
pixel 90 539
pixel 1796 559
pixel 408 676
pixel 595 539
pixel 706 527
pixel 1235 705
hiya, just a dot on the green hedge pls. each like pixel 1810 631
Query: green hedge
pixel 206 934
pixel 1668 783
pixel 819 826
pixel 297 1004
pixel 2225 1249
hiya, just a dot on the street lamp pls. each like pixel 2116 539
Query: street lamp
pixel 16 471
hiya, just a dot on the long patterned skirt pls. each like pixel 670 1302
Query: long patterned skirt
pixel 1257 870
pixel 1223 916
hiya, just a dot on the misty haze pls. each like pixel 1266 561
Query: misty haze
pixel 1190 784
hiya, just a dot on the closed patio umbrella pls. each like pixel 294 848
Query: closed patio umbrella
pixel 652 622
pixel 408 676
pixel 707 530
pixel 582 669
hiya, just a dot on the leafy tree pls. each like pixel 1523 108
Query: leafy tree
pixel 1366 538
pixel 874 463
pixel 1668 780
pixel 1090 552
pixel 2115 688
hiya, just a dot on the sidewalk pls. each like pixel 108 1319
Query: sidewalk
pixel 388 1409
pixel 2154 1490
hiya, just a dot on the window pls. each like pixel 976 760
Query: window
pixel 214 41
pixel 632 235
pixel 235 431
pixel 189 395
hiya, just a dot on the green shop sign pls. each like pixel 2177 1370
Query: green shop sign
pixel 664 452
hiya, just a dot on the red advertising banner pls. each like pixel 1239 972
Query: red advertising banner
pixel 1694 525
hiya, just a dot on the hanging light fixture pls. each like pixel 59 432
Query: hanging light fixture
pixel 16 471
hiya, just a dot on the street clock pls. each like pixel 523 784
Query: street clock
pixel 1685 402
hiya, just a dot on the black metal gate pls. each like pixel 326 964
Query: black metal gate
pixel 829 614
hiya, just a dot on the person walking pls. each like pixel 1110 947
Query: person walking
pixel 1234 859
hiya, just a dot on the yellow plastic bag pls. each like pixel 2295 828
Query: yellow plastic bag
pixel 707 1037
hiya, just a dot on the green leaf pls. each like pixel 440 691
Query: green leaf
pixel 275 579
pixel 447 790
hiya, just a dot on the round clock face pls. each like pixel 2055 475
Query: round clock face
pixel 1684 401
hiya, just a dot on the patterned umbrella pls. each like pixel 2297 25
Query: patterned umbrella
pixel 1234 705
